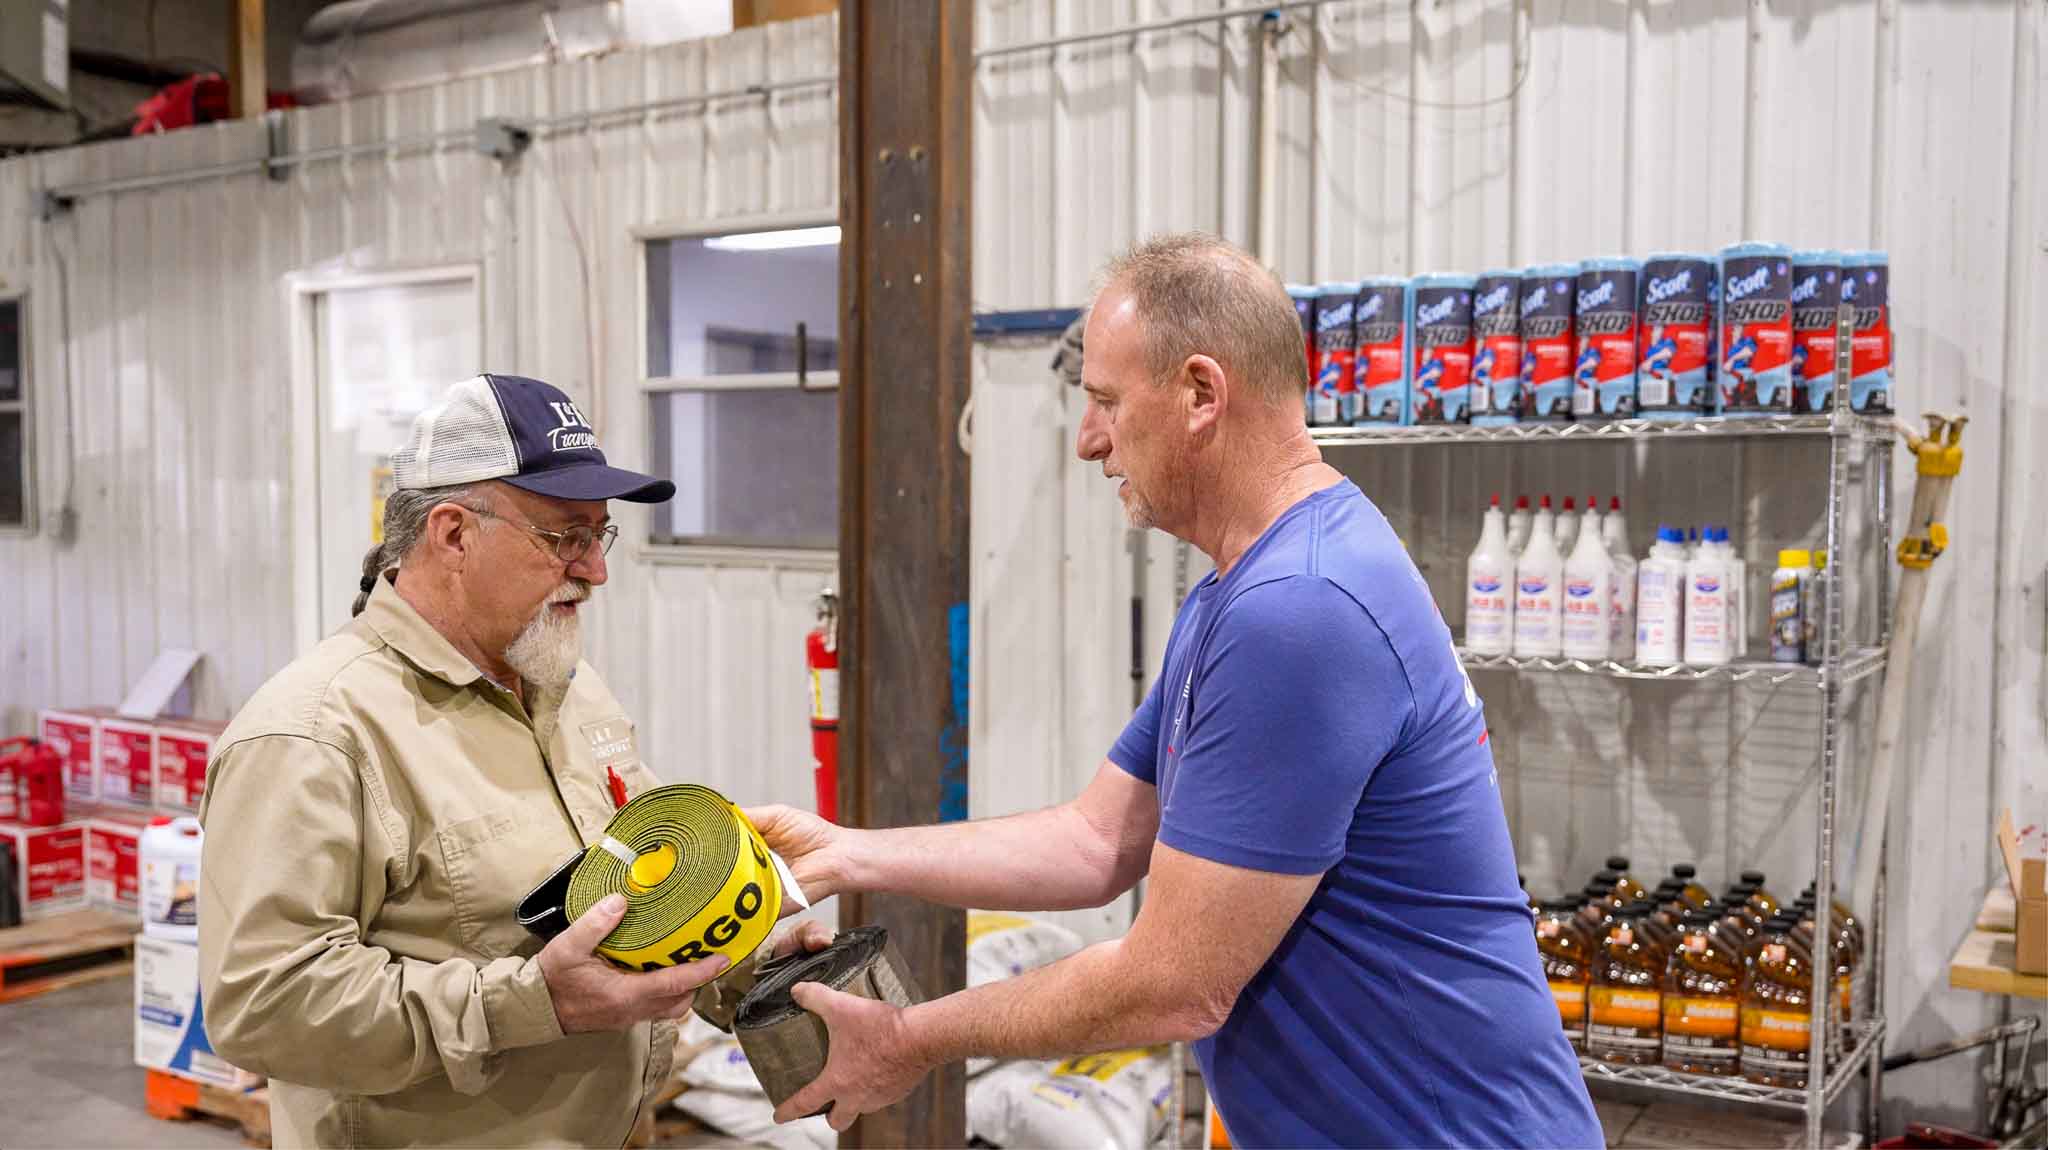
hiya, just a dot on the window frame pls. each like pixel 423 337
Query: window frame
pixel 697 549
pixel 24 402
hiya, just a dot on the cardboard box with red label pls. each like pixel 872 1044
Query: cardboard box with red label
pixel 47 868
pixel 75 735
pixel 113 857
pixel 183 747
pixel 126 754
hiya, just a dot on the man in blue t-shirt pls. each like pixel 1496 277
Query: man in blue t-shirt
pixel 1332 915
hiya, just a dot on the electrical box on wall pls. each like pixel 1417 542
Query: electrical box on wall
pixel 35 49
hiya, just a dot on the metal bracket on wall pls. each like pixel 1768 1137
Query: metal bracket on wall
pixel 501 139
pixel 277 141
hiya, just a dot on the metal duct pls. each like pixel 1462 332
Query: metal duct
pixel 361 46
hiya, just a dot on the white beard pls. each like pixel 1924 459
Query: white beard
pixel 546 652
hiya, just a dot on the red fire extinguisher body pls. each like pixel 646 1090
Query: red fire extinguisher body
pixel 821 657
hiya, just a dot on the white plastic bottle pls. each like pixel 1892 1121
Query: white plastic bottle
pixel 1588 595
pixel 1738 607
pixel 167 866
pixel 1490 588
pixel 1567 528
pixel 1660 601
pixel 1539 604
pixel 1622 617
pixel 1709 604
pixel 1519 523
pixel 1692 543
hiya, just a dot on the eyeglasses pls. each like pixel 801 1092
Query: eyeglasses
pixel 570 545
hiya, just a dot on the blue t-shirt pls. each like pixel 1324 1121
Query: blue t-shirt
pixel 1312 718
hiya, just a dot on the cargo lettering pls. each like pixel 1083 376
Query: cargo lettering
pixel 723 929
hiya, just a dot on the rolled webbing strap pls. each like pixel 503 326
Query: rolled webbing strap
pixel 697 878
pixel 787 1045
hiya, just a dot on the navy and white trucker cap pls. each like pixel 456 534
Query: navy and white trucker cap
pixel 522 431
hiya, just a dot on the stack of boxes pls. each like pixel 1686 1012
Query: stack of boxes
pixel 118 773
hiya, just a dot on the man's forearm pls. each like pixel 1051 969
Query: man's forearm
pixel 1050 859
pixel 1099 999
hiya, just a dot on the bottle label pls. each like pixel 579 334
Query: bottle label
pixel 1775 1039
pixel 1843 997
pixel 1702 1027
pixel 1571 1007
pixel 1624 1017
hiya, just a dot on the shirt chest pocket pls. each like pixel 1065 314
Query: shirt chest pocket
pixel 489 862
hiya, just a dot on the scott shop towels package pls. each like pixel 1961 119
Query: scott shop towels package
pixel 1113 1101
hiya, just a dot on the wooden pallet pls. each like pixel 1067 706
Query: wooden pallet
pixel 178 1099
pixel 64 950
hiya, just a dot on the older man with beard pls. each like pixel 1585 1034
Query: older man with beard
pixel 377 810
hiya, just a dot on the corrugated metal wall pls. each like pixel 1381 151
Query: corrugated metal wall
pixel 1462 134
pixel 1413 137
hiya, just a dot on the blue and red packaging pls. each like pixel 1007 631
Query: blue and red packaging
pixel 1604 333
pixel 1497 348
pixel 1440 326
pixel 1333 397
pixel 1304 297
pixel 1675 337
pixel 1816 299
pixel 1866 284
pixel 1546 319
pixel 1756 329
pixel 1382 319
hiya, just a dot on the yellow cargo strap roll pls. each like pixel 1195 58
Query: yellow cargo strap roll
pixel 697 878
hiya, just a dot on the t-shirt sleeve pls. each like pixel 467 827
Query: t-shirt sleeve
pixel 1297 700
pixel 1137 749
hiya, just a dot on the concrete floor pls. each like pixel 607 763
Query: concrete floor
pixel 70 1078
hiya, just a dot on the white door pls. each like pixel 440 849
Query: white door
pixel 382 355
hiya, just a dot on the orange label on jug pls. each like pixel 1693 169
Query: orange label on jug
pixel 1776 1029
pixel 1571 1005
pixel 1626 1007
pixel 1699 1017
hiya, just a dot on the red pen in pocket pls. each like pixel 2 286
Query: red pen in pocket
pixel 617 785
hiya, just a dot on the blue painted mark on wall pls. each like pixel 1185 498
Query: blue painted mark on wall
pixel 953 738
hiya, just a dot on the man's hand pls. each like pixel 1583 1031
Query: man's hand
pixel 871 1064
pixel 808 936
pixel 591 994
pixel 814 849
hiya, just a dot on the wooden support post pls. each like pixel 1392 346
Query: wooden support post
pixel 906 70
pixel 248 87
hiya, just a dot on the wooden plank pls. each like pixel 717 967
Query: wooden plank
pixel 905 72
pixel 175 1098
pixel 63 950
pixel 247 84
pixel 1984 962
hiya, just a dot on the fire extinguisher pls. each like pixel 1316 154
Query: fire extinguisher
pixel 821 657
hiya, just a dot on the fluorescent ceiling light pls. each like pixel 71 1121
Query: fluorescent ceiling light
pixel 775 241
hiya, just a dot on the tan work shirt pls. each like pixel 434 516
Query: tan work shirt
pixel 373 816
